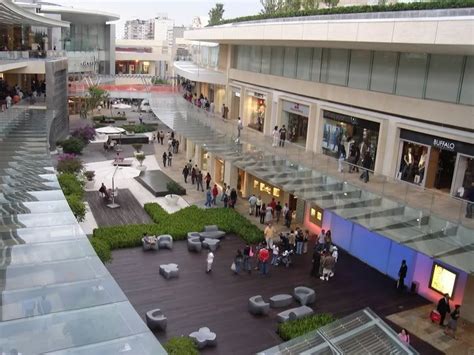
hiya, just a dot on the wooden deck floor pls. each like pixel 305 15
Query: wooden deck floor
pixel 219 300
pixel 129 212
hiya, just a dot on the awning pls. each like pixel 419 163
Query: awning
pixel 12 14
pixel 191 71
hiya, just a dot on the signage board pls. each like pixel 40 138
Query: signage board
pixel 296 108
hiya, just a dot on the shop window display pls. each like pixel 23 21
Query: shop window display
pixel 258 114
pixel 413 163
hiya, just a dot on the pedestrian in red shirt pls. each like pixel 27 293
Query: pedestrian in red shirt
pixel 215 192
pixel 263 257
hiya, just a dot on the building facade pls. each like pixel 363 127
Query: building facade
pixel 138 29
pixel 393 96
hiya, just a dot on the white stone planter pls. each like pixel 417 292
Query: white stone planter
pixel 59 150
pixel 141 168
pixel 172 200
pixel 90 185
pixel 135 153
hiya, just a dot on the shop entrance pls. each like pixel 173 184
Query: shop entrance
pixel 441 169
pixel 298 128
pixel 219 171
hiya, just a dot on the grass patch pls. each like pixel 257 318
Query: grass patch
pixel 296 328
pixel 178 224
pixel 181 346
pixel 140 128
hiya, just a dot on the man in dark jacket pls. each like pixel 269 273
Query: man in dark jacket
pixel 443 308
pixel 316 262
pixel 402 273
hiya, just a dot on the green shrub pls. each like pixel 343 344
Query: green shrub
pixel 71 185
pixel 175 189
pixel 178 225
pixel 357 9
pixel 77 206
pixel 181 346
pixel 69 163
pixel 296 328
pixel 137 146
pixel 73 145
pixel 140 158
pixel 103 118
pixel 101 248
pixel 141 128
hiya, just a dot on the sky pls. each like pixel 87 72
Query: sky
pixel 182 11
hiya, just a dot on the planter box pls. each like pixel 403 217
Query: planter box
pixel 172 200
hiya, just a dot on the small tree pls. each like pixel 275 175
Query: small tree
pixel 137 147
pixel 140 158
pixel 309 5
pixel 331 3
pixel 69 163
pixel 271 7
pixel 95 96
pixel 216 14
pixel 73 145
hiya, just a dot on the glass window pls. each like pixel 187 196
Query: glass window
pixel 316 68
pixel 289 69
pixel 443 77
pixel 324 65
pixel 266 55
pixel 303 68
pixel 411 74
pixel 383 71
pixel 337 68
pixel 467 90
pixel 244 58
pixel 276 67
pixel 359 69
pixel 255 58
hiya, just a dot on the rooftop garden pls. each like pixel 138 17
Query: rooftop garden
pixel 299 8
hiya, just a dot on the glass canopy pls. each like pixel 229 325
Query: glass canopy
pixel 56 295
pixel 381 206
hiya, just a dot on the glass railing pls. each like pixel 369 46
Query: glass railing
pixel 27 55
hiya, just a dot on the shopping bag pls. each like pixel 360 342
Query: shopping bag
pixel 232 267
pixel 435 316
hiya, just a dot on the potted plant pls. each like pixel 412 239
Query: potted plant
pixel 138 149
pixel 89 175
pixel 140 158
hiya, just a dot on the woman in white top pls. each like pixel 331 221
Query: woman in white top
pixel 276 136
pixel 210 260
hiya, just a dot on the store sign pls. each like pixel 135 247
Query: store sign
pixel 339 117
pixel 438 142
pixel 296 108
pixel 257 95
pixel 443 144
pixel 443 280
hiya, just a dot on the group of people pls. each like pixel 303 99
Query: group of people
pixel 11 95
pixel 273 211
pixel 444 309
pixel 201 101
pixel 325 256
pixel 173 146
pixel 279 136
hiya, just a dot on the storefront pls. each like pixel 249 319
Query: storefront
pixel 352 135
pixel 296 116
pixel 219 171
pixel 234 103
pixel 256 110
pixel 435 162
pixel 204 160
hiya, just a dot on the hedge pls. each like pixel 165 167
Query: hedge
pixel 177 224
pixel 103 118
pixel 140 128
pixel 181 346
pixel 298 327
pixel 358 9
pixel 73 189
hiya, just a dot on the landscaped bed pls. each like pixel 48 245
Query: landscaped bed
pixel 177 224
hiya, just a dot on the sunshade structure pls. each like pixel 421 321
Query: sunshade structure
pixel 362 332
pixel 121 106
pixel 57 297
pixel 110 130
pixel 12 14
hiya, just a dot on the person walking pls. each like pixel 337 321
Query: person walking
pixel 273 204
pixel 224 188
pixel 328 265
pixel 278 209
pixel 366 164
pixel 252 203
pixel 193 175
pixel 289 217
pixel 275 253
pixel 215 192
pixel 162 137
pixel 199 179
pixel 225 199
pixel 170 158
pixel 443 308
pixel 247 255
pixel 233 198
pixel 208 180
pixel 262 213
pixel 453 322
pixel 240 126
pixel 209 261
pixel 263 256
pixel 268 214
pixel 282 132
pixel 165 158
pixel 258 205
pixel 305 241
pixel 239 258
pixel 404 336
pixel 268 233
pixel 185 174
pixel 208 198
pixel 402 273
pixel 316 261
pixel 276 137
pixel 299 241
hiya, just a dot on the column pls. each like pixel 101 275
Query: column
pixel 230 174
pixel 211 166
pixel 388 148
pixel 318 131
pixel 312 127
pixel 268 124
pixel 198 156
pixel 189 149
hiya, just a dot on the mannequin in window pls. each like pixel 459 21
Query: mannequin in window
pixel 422 165
pixel 408 168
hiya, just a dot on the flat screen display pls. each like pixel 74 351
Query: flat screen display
pixel 443 280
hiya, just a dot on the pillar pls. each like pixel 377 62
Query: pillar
pixel 189 149
pixel 211 168
pixel 312 127
pixel 318 132
pixel 230 174
pixel 198 156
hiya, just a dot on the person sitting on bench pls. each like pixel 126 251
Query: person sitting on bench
pixel 103 190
